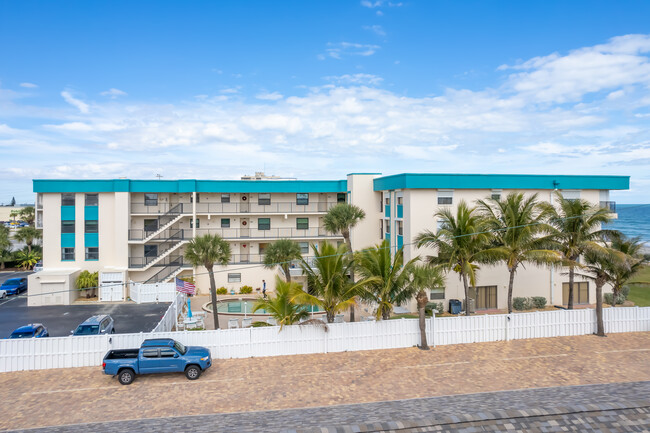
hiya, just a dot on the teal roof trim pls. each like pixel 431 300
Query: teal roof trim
pixel 189 185
pixel 498 181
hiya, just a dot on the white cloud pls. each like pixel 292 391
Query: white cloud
pixel 80 105
pixel 380 3
pixel 377 29
pixel 342 49
pixel 29 85
pixel 273 96
pixel 367 79
pixel 113 93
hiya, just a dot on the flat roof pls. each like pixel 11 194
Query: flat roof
pixel 498 181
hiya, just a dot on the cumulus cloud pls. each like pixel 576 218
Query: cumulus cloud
pixel 113 93
pixel 365 79
pixel 266 96
pixel 79 104
pixel 377 29
pixel 29 85
pixel 344 49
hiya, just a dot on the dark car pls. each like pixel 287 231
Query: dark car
pixel 14 286
pixel 33 330
pixel 96 325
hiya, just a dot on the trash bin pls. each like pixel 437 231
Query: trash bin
pixel 454 306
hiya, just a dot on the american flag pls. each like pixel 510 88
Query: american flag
pixel 184 287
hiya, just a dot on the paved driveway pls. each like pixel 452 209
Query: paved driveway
pixel 302 381
pixel 61 319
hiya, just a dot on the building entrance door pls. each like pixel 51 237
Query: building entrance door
pixel 245 230
pixel 243 205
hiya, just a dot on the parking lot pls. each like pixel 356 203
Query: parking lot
pixel 61 319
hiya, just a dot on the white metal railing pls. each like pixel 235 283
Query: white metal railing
pixel 168 321
pixel 63 352
pixel 271 233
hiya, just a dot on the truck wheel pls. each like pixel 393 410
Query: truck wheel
pixel 192 372
pixel 126 376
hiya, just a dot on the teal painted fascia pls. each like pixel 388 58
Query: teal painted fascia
pixel 91 213
pixel 189 185
pixel 91 240
pixel 67 240
pixel 67 213
pixel 498 181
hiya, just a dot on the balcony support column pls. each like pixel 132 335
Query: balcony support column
pixel 193 214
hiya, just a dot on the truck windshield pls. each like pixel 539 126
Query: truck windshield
pixel 181 349
pixel 87 330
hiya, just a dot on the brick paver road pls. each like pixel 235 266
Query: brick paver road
pixel 82 395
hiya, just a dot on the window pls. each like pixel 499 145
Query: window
pixel 302 223
pixel 150 225
pixel 387 227
pixel 225 223
pixel 234 278
pixel 151 250
pixel 381 229
pixel 225 198
pixel 400 228
pixel 304 247
pixel 198 198
pixel 571 194
pixel 67 254
pixel 341 197
pixel 496 194
pixel 92 253
pixel 263 248
pixel 151 199
pixel 264 199
pixel 387 201
pixel 92 199
pixel 439 224
pixel 580 292
pixel 198 223
pixel 91 226
pixel 150 353
pixel 485 297
pixel 400 200
pixel 167 353
pixel 445 197
pixel 264 223
pixel 67 199
pixel 67 226
pixel 437 293
pixel 302 198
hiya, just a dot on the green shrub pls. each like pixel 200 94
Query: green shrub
pixel 609 298
pixel 520 304
pixel 222 291
pixel 625 292
pixel 538 301
pixel 259 324
pixel 245 290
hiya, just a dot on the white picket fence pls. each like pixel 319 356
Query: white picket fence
pixel 64 352
pixel 168 321
pixel 147 293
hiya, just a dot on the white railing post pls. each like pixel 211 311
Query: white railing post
pixel 433 328
pixel 507 327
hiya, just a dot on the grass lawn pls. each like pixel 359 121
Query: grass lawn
pixel 640 293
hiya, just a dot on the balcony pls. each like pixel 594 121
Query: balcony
pixel 257 208
pixel 273 233
pixel 160 208
pixel 609 205
pixel 166 235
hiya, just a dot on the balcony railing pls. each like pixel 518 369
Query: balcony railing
pixel 273 233
pixel 163 236
pixel 610 205
pixel 255 208
pixel 160 208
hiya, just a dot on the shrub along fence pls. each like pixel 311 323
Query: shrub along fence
pixel 64 352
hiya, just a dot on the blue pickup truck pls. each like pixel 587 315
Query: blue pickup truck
pixel 162 355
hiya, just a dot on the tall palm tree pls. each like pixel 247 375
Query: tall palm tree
pixel 391 284
pixel 633 249
pixel 330 287
pixel 28 235
pixel 280 306
pixel 341 219
pixel 205 251
pixel 460 243
pixel 27 214
pixel 577 230
pixel 425 277
pixel 281 253
pixel 517 227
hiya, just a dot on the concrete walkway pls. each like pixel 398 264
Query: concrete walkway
pixel 83 395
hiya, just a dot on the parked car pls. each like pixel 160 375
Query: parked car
pixel 33 330
pixel 96 325
pixel 38 266
pixel 13 286
pixel 3 293
pixel 161 355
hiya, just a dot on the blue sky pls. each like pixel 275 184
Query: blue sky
pixel 319 89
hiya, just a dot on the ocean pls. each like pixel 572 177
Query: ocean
pixel 633 220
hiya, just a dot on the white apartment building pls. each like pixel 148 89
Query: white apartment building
pixel 136 230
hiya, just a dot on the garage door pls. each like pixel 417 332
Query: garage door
pixel 111 286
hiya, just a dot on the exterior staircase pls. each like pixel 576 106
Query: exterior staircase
pixel 164 222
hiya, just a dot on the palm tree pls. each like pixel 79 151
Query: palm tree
pixel 517 226
pixel 205 251
pixel 87 280
pixel 460 242
pixel 281 253
pixel 425 277
pixel 5 256
pixel 27 259
pixel 341 219
pixel 28 235
pixel 330 287
pixel 632 248
pixel 14 213
pixel 280 306
pixel 577 231
pixel 5 240
pixel 391 283
pixel 27 214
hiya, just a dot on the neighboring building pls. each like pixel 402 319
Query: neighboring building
pixel 136 230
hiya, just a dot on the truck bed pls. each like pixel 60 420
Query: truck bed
pixel 122 354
